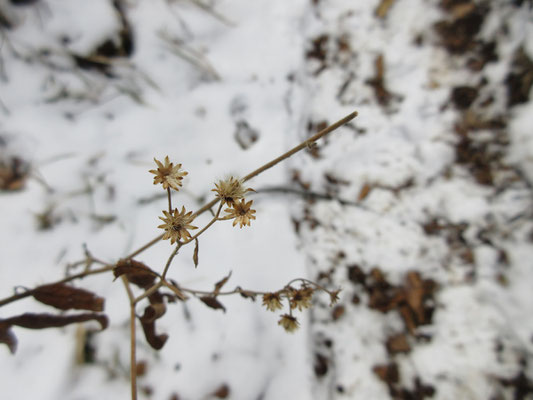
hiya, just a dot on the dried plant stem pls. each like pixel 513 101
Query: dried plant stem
pixel 301 146
pixel 286 155
pixel 146 246
pixel 133 355
pixel 169 201
pixel 148 292
pixel 169 261
pixel 215 219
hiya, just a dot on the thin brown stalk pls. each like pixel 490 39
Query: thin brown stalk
pixel 215 219
pixel 169 261
pixel 169 201
pixel 133 355
pixel 303 145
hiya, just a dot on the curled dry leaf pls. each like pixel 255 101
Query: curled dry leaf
pixel 156 341
pixel 384 7
pixel 364 192
pixel 64 297
pixel 247 294
pixel 13 174
pixel 153 312
pixel 222 392
pixel 212 302
pixel 195 254
pixel 136 272
pixel 43 321
pixel 8 338
pixel 221 283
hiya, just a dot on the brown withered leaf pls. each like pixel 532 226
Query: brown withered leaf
pixel 221 283
pixel 140 368
pixel 136 272
pixel 212 302
pixel 321 365
pixel 247 294
pixel 384 7
pixel 195 254
pixel 13 174
pixel 338 312
pixel 156 341
pixel 388 373
pixel 7 337
pixel 43 321
pixel 398 344
pixel 364 192
pixel 153 312
pixel 65 297
pixel 222 392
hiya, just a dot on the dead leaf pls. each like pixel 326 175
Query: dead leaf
pixel 8 338
pixel 388 373
pixel 153 312
pixel 212 302
pixel 222 392
pixel 338 312
pixel 247 294
pixel 13 174
pixel 221 283
pixel 136 272
pixel 383 8
pixel 43 321
pixel 398 344
pixel 156 341
pixel 364 192
pixel 195 254
pixel 64 297
pixel 140 368
pixel 321 366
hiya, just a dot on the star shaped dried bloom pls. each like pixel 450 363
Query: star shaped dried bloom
pixel 241 212
pixel 169 175
pixel 272 301
pixel 334 297
pixel 230 190
pixel 176 225
pixel 301 298
pixel 289 323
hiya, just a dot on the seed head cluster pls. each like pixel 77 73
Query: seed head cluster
pixel 177 225
pixel 168 174
pixel 230 190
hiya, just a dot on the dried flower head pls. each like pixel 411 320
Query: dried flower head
pixel 176 225
pixel 169 175
pixel 230 190
pixel 333 297
pixel 301 298
pixel 241 212
pixel 289 323
pixel 272 301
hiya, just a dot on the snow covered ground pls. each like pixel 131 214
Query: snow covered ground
pixel 420 209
